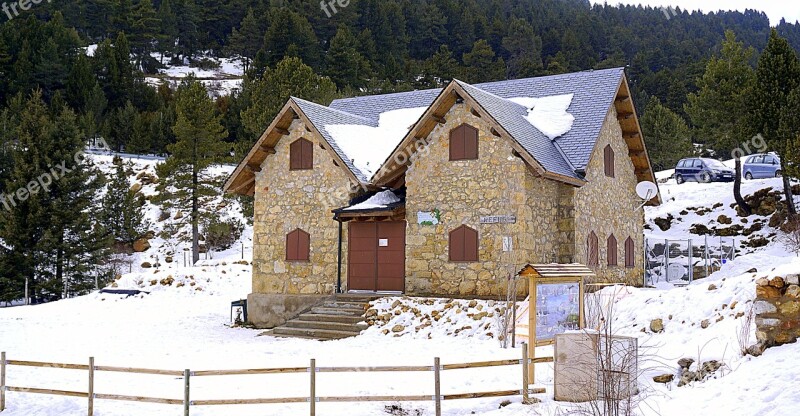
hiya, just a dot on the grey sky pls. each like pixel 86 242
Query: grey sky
pixel 775 9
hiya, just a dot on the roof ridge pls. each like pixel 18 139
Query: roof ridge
pixel 335 110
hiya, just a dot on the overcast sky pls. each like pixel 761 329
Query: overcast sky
pixel 775 9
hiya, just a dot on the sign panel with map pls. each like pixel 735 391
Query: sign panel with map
pixel 557 309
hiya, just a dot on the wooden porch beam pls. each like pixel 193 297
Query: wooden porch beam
pixel 266 149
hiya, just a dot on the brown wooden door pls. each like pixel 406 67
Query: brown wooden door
pixel 376 256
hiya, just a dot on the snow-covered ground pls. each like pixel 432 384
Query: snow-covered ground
pixel 184 323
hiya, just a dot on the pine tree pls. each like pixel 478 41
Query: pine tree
pixel 291 77
pixel 80 84
pixel 122 215
pixel 344 64
pixel 290 34
pixel 666 135
pixel 185 183
pixel 777 75
pixel 168 30
pixel 525 50
pixel 144 27
pixel 245 41
pixel 441 67
pixel 481 65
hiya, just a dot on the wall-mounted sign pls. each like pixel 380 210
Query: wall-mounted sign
pixel 383 242
pixel 508 244
pixel 499 219
pixel 428 218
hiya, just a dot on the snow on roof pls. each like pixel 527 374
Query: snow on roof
pixel 368 147
pixel 549 114
pixel 380 200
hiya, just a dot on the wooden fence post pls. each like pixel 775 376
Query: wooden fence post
pixel 437 387
pixel 91 386
pixel 525 398
pixel 186 403
pixel 2 381
pixel 313 391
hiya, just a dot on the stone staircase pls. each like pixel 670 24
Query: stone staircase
pixel 336 318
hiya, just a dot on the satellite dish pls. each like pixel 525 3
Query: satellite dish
pixel 646 190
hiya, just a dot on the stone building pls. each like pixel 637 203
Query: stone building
pixel 445 192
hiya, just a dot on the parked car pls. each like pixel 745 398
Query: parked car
pixel 761 166
pixel 702 169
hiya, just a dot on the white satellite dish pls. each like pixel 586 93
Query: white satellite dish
pixel 646 190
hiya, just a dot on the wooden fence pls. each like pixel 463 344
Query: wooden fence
pixel 312 399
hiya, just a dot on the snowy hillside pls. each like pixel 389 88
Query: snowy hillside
pixel 184 323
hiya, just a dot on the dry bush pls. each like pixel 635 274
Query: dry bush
pixel 791 235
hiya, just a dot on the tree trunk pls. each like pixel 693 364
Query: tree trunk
pixel 195 219
pixel 737 189
pixel 787 191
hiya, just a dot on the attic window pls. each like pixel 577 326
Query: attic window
pixel 463 244
pixel 298 245
pixel 608 161
pixel 464 143
pixel 301 155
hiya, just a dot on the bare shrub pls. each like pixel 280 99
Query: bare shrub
pixel 745 329
pixel 791 235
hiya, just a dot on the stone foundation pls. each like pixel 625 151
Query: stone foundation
pixel 777 310
pixel 271 310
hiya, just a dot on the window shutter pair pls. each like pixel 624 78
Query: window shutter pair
pixel 298 245
pixel 464 143
pixel 463 244
pixel 301 155
pixel 611 252
pixel 608 161
pixel 630 254
pixel 593 258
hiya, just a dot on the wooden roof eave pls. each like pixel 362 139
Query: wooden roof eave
pixel 433 116
pixel 632 134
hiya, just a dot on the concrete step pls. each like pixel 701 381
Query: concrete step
pixel 319 317
pixel 335 310
pixel 334 326
pixel 346 304
pixel 356 297
pixel 323 334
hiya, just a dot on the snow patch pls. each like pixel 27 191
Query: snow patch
pixel 379 200
pixel 368 147
pixel 548 114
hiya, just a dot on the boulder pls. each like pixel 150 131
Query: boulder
pixel 705 323
pixel 657 325
pixel 398 328
pixel 136 187
pixel 685 363
pixel 141 245
pixel 664 378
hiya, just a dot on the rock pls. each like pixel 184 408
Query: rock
pixel 385 331
pixel 479 316
pixel 793 291
pixel 473 303
pixel 167 281
pixel 178 215
pixel 664 378
pixel 372 312
pixel 664 223
pixel 791 307
pixel 705 323
pixel 141 245
pixel 767 292
pixel 163 216
pixel 657 325
pixel 724 219
pixel 777 282
pixel 792 279
pixel 146 265
pixel 398 328
pixel 712 287
pixel 753 270
pixel 168 259
pixel 685 363
pixel 757 349
pixel 763 281
pixel 136 188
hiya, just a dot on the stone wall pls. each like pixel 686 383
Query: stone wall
pixel 497 183
pixel 606 205
pixel 777 310
pixel 286 200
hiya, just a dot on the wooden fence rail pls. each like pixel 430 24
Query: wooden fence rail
pixel 312 370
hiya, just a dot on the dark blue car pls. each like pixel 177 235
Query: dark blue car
pixel 703 170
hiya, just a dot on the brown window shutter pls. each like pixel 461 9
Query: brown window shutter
pixel 630 254
pixel 611 252
pixel 470 244
pixel 303 245
pixel 298 245
pixel 291 246
pixel 457 150
pixel 295 156
pixel 591 250
pixel 470 142
pixel 608 161
pixel 456 244
pixel 308 154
